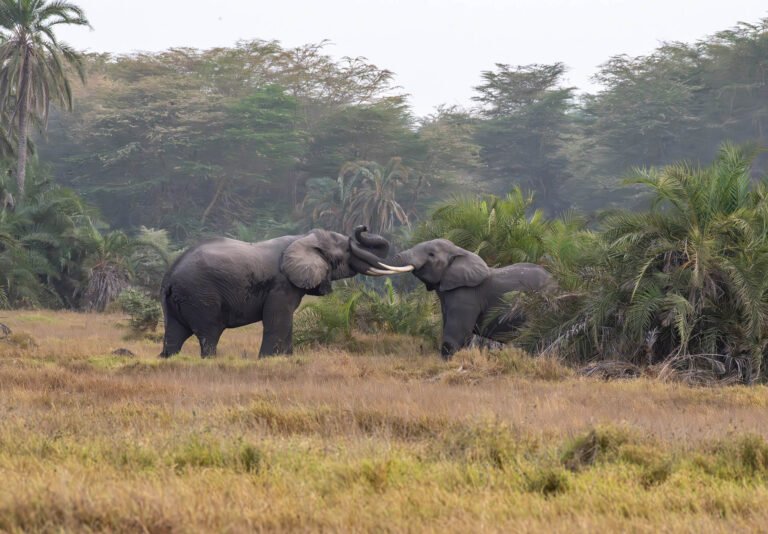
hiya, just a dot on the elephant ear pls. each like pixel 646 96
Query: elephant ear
pixel 465 270
pixel 304 264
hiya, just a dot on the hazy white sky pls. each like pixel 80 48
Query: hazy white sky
pixel 437 48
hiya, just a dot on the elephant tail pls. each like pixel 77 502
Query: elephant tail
pixel 164 294
pixel 166 301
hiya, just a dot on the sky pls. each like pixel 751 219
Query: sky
pixel 436 48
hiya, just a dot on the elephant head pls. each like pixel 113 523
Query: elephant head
pixel 314 260
pixel 442 265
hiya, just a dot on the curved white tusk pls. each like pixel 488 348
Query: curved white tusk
pixel 378 272
pixel 406 269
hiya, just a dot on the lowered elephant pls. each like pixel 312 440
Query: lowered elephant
pixel 225 283
pixel 470 292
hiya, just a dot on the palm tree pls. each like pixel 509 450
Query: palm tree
pixel 33 65
pixel 110 269
pixel 40 262
pixel 368 191
pixel 322 204
pixel 500 230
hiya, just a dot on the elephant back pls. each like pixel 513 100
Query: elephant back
pixel 523 277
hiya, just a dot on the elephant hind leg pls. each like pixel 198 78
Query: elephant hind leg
pixel 174 337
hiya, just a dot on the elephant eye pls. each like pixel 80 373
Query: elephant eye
pixel 431 254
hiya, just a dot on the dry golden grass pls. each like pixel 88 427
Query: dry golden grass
pixel 394 440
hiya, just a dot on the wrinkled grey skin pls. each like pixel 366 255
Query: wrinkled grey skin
pixel 469 290
pixel 225 283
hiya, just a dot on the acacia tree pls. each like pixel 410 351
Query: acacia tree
pixel 33 63
pixel 647 113
pixel 527 122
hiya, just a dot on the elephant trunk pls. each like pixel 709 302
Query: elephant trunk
pixel 375 243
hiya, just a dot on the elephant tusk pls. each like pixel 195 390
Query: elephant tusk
pixel 406 269
pixel 378 272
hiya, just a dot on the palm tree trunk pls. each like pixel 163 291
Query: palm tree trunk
pixel 21 167
pixel 212 203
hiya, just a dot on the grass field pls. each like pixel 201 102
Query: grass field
pixel 332 441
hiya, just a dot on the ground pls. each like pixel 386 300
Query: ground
pixel 328 440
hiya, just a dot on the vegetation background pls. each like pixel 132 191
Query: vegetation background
pixel 645 199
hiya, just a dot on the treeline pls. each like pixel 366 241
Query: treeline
pixel 258 139
pixel 250 139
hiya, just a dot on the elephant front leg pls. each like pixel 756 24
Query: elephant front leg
pixel 278 325
pixel 457 333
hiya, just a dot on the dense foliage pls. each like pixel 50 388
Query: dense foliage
pixel 681 284
pixel 55 252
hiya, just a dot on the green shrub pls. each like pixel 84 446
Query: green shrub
pixel 548 481
pixel 599 444
pixel 144 311
pixel 251 459
pixel 414 313
pixel 327 320
pixel 332 320
pixel 740 457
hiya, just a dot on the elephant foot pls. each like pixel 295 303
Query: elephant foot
pixel 447 351
pixel 274 354
pixel 165 353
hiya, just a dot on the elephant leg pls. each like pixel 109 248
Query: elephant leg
pixel 174 337
pixel 209 340
pixel 458 324
pixel 278 324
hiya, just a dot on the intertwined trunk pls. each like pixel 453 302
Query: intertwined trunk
pixel 21 170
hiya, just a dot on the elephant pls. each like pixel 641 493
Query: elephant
pixel 224 283
pixel 470 292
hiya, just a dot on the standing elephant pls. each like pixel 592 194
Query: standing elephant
pixel 225 283
pixel 469 290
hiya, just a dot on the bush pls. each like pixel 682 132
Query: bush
pixel 413 313
pixel 332 319
pixel 144 311
pixel 327 320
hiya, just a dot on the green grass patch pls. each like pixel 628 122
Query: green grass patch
pixel 38 318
